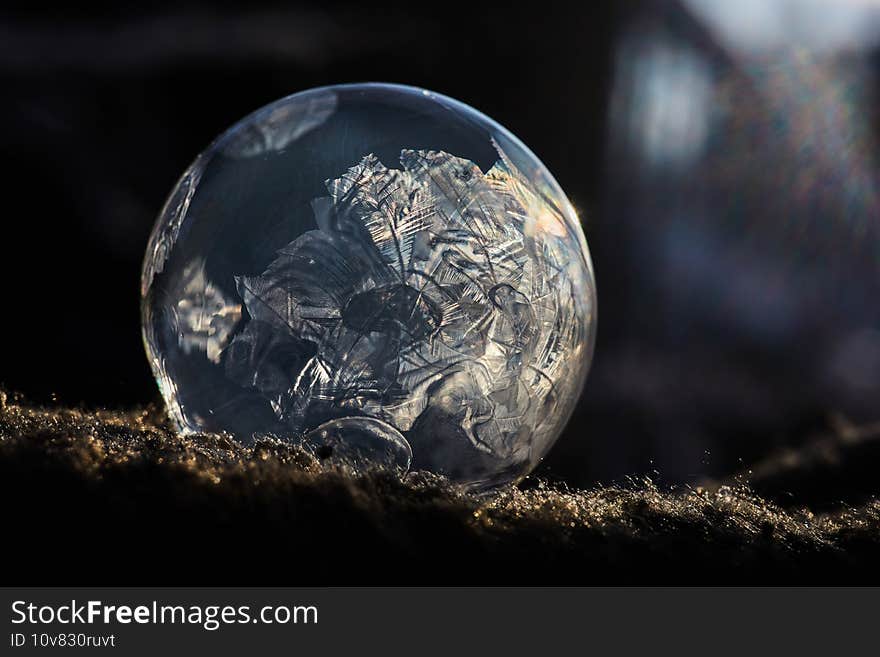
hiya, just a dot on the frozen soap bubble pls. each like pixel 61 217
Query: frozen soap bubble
pixel 379 272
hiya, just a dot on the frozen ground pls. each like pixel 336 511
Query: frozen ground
pixel 116 498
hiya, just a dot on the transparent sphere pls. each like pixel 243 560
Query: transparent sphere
pixel 380 273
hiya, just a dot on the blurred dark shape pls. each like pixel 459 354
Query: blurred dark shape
pixel 740 230
pixel 723 156
pixel 140 43
pixel 837 469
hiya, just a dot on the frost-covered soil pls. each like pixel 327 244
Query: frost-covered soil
pixel 117 498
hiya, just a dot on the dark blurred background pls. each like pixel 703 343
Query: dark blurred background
pixel 723 156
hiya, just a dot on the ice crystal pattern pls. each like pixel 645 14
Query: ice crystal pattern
pixel 432 298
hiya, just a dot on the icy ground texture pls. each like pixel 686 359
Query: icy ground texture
pixel 430 315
